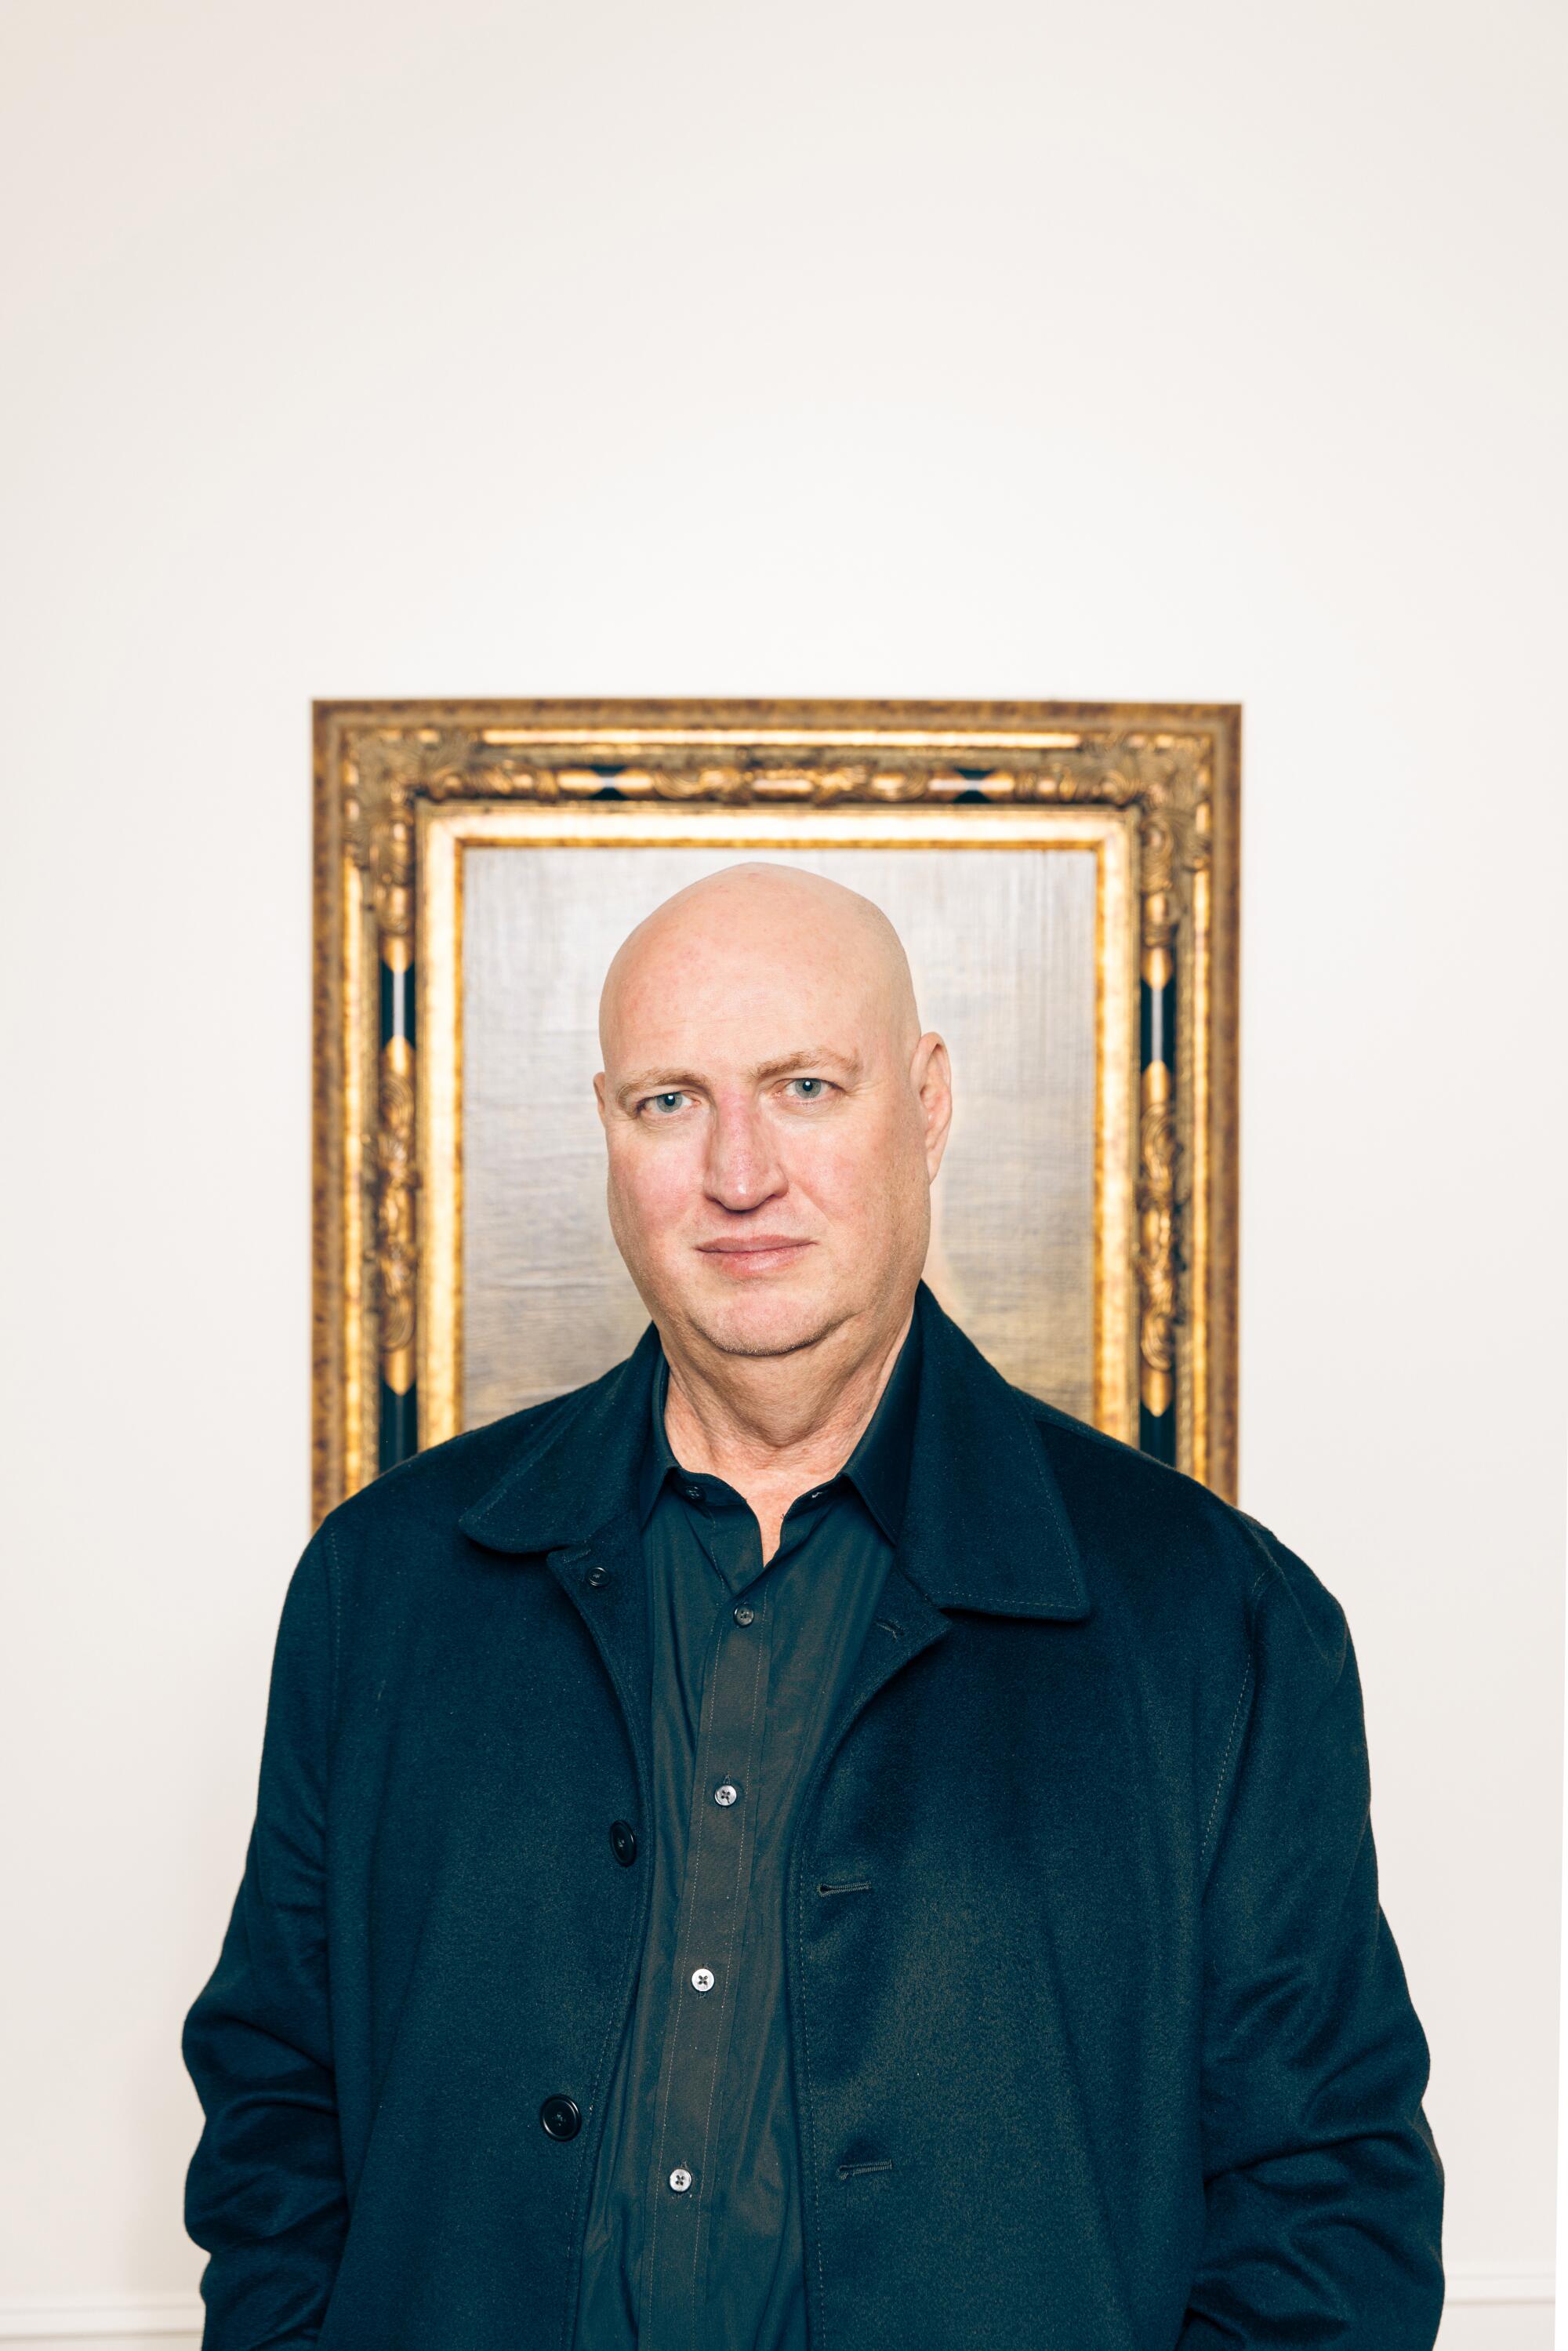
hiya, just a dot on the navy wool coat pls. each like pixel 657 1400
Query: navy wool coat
pixel 1110 2051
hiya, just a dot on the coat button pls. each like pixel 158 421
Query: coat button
pixel 623 1839
pixel 743 1615
pixel 560 2117
pixel 597 1576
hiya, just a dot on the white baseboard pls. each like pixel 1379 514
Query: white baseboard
pixel 59 2318
pixel 151 2322
pixel 1487 2284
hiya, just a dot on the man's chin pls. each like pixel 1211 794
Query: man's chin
pixel 760 1324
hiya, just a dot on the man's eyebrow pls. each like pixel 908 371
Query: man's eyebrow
pixel 814 1057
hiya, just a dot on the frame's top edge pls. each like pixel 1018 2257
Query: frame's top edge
pixel 588 716
pixel 476 821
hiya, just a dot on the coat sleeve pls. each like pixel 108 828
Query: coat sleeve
pixel 264 2193
pixel 1324 2189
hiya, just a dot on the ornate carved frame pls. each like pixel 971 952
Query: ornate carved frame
pixel 1176 765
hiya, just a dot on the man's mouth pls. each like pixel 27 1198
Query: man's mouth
pixel 755 1252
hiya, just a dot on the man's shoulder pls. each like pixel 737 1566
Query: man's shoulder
pixel 428 1493
pixel 1106 1474
pixel 1151 1531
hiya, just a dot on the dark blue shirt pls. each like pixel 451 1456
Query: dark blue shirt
pixel 693 2238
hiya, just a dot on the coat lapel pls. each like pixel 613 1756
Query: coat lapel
pixel 984 1526
pixel 984 1529
pixel 571 1496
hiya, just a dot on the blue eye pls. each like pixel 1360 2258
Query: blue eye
pixel 664 1103
pixel 818 1082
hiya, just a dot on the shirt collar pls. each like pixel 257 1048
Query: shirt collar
pixel 878 1469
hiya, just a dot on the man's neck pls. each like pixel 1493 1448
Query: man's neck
pixel 773 1427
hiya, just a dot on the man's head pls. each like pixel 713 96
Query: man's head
pixel 773 1113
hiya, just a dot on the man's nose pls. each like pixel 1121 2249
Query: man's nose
pixel 743 1167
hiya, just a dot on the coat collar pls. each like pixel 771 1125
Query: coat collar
pixel 983 1523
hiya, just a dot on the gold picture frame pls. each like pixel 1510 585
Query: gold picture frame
pixel 1146 797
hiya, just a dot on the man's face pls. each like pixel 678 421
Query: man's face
pixel 770 1154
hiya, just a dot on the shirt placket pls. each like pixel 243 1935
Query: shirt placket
pixel 720 1849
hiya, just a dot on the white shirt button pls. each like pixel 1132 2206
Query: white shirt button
pixel 701 1979
pixel 680 2179
pixel 726 1792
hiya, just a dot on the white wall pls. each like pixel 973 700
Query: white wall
pixel 1015 348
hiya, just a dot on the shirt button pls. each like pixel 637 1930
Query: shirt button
pixel 744 1615
pixel 597 1576
pixel 701 1979
pixel 726 1792
pixel 693 1493
pixel 680 2179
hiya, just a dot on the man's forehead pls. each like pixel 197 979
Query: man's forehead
pixel 741 1002
pixel 757 961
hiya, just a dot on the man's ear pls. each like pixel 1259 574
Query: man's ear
pixel 931 1074
pixel 599 1095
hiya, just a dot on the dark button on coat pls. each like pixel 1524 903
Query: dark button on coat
pixel 1109 2048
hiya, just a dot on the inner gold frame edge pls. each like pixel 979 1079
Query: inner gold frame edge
pixel 445 832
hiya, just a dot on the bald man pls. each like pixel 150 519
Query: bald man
pixel 798 1843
